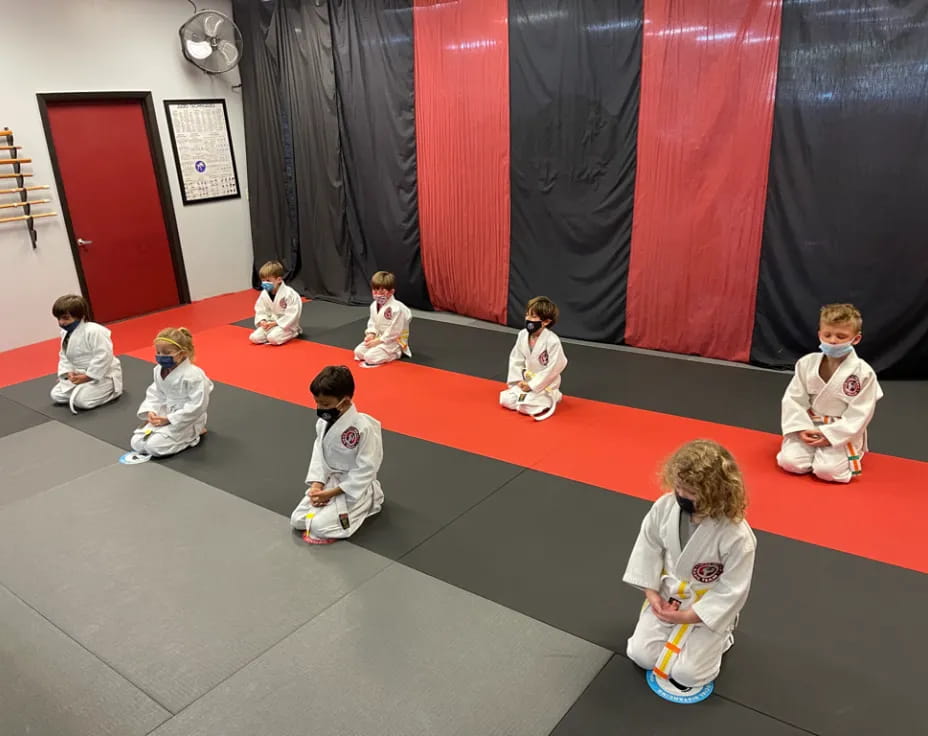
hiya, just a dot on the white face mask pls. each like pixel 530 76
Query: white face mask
pixel 381 299
pixel 836 351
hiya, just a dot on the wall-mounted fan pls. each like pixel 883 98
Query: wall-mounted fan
pixel 212 41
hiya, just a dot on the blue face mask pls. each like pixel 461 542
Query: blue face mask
pixel 267 286
pixel 836 351
pixel 165 361
pixel 71 327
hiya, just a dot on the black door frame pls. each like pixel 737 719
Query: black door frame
pixel 161 176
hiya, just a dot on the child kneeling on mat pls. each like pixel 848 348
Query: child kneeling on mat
pixel 386 337
pixel 88 373
pixel 694 559
pixel 278 309
pixel 535 363
pixel 343 487
pixel 830 401
pixel 174 409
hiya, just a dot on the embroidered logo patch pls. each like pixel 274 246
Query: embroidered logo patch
pixel 388 313
pixel 283 303
pixel 351 437
pixel 708 572
pixel 852 386
pixel 543 358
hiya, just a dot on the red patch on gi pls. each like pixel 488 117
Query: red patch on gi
pixel 708 572
pixel 543 358
pixel 388 313
pixel 351 437
pixel 283 303
pixel 852 386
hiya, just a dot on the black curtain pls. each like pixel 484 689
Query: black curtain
pixel 846 219
pixel 575 67
pixel 330 129
pixel 375 80
pixel 270 160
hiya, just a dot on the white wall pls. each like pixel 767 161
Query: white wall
pixel 106 45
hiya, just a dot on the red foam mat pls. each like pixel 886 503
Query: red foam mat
pixel 41 358
pixel 613 447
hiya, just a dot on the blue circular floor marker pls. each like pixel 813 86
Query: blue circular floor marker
pixel 668 691
pixel 134 458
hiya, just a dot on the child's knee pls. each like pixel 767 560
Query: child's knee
pixel 693 672
pixel 258 337
pixel 642 652
pixel 59 395
pixel 507 399
pixel 794 459
pixel 832 469
pixel 277 336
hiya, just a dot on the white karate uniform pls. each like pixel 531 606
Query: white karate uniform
pixel 89 351
pixel 390 324
pixel 712 574
pixel 284 309
pixel 840 410
pixel 346 455
pixel 540 367
pixel 182 397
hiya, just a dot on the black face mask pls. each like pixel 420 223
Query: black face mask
pixel 532 325
pixel 686 504
pixel 329 415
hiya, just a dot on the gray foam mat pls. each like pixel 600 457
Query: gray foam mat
pixel 450 347
pixel 555 550
pixel 403 654
pixel 14 417
pixel 52 685
pixel 426 485
pixel 47 455
pixel 318 316
pixel 176 585
pixel 618 701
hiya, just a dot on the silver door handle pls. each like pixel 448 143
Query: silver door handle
pixel 81 241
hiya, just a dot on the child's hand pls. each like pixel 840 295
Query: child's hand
pixel 78 378
pixel 157 421
pixel 810 436
pixel 524 386
pixel 270 325
pixel 320 497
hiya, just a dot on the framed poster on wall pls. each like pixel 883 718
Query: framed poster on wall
pixel 202 143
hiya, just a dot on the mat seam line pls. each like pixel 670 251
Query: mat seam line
pixel 281 639
pixel 93 654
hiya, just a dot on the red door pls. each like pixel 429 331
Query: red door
pixel 108 181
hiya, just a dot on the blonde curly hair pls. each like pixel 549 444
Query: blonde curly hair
pixel 709 470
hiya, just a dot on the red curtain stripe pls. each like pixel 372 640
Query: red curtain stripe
pixel 706 117
pixel 462 149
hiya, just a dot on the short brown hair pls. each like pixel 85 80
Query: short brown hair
pixel 839 314
pixel 71 305
pixel 272 270
pixel 383 280
pixel 180 338
pixel 707 469
pixel 544 308
pixel 333 380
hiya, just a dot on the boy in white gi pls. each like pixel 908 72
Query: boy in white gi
pixel 387 335
pixel 342 478
pixel 174 409
pixel 535 363
pixel 830 401
pixel 693 559
pixel 88 373
pixel 278 309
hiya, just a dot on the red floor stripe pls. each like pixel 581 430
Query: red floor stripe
pixel 614 447
pixel 41 358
